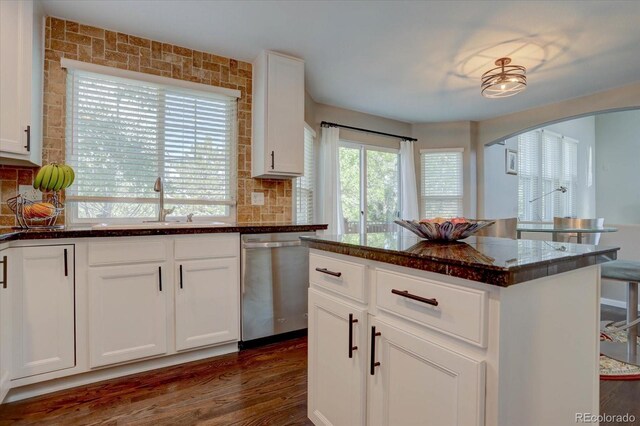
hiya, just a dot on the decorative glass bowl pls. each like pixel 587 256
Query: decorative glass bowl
pixel 445 231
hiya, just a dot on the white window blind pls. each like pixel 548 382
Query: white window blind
pixel 547 162
pixel 442 185
pixel 304 185
pixel 122 134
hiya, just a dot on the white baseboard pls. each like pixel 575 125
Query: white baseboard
pixel 615 303
pixel 36 389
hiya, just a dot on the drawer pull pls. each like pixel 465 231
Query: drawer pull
pixel 28 132
pixel 374 364
pixel 328 272
pixel 5 265
pixel 405 293
pixel 351 347
pixel 160 277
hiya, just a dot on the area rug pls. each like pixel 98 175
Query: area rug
pixel 610 369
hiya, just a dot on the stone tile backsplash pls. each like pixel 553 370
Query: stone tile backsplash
pixel 67 39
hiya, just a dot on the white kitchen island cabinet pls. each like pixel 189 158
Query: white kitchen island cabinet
pixel 455 335
pixel 337 351
pixel 417 382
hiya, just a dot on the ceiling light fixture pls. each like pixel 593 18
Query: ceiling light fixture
pixel 504 80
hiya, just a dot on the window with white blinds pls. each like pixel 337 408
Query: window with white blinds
pixel 548 162
pixel 122 134
pixel 304 185
pixel 442 186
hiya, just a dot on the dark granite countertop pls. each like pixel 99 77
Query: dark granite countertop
pixel 88 232
pixel 497 261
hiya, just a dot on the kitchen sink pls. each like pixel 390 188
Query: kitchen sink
pixel 159 225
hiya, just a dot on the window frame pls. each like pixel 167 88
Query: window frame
pixel 363 147
pixel 182 86
pixel 547 196
pixel 294 189
pixel 460 150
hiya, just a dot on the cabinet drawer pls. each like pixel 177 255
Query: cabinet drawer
pixel 121 251
pixel 227 245
pixel 342 277
pixel 460 311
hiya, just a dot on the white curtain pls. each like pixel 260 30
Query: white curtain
pixel 408 188
pixel 330 181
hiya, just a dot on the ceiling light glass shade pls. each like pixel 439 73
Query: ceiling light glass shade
pixel 504 80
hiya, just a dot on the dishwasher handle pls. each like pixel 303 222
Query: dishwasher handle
pixel 272 244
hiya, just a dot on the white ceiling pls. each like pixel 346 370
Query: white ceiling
pixel 411 61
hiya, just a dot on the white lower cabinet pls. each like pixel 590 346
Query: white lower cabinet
pixel 336 372
pixel 91 305
pixel 395 377
pixel 127 312
pixel 207 302
pixel 43 329
pixel 415 382
pixel 5 328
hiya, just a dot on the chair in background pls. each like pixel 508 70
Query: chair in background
pixel 629 272
pixel 502 228
pixel 587 238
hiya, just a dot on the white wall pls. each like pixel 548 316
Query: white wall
pixel 501 189
pixel 507 125
pixel 617 165
pixel 366 121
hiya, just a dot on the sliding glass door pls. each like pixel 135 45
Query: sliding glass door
pixel 370 187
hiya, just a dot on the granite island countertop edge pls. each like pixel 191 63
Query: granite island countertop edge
pixel 488 274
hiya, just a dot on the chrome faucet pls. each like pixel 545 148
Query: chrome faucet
pixel 162 212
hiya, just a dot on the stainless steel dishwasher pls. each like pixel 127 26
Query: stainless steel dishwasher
pixel 275 279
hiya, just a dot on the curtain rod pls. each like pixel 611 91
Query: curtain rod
pixel 359 129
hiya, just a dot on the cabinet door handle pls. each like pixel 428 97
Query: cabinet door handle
pixel 180 276
pixel 273 158
pixel 352 348
pixel 4 271
pixel 28 132
pixel 374 364
pixel 160 277
pixel 66 264
pixel 328 272
pixel 405 293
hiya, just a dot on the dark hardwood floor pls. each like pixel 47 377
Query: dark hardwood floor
pixel 618 396
pixel 260 386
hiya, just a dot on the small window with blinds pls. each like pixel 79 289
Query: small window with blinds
pixel 548 162
pixel 304 185
pixel 122 134
pixel 442 185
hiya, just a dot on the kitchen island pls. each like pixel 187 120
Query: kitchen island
pixel 486 331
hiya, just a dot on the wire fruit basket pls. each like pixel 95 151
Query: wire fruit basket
pixel 36 214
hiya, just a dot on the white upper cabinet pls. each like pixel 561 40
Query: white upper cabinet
pixel 21 75
pixel 278 116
